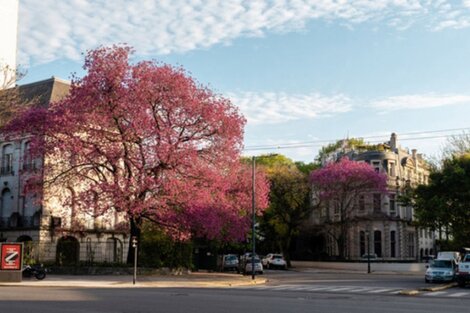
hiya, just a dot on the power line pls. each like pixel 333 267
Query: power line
pixel 418 135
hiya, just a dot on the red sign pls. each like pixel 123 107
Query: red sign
pixel 11 256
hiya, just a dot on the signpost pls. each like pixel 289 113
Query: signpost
pixel 11 261
pixel 12 256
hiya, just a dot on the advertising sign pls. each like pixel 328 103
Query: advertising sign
pixel 11 256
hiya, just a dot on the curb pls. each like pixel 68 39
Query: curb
pixel 139 284
pixel 414 292
pixel 439 288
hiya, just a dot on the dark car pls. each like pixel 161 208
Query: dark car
pixel 229 262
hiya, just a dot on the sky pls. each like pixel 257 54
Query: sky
pixel 303 72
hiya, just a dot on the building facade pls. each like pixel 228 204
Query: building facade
pixel 379 223
pixel 9 37
pixel 51 230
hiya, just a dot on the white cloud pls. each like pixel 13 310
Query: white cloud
pixel 271 107
pixel 52 29
pixel 418 101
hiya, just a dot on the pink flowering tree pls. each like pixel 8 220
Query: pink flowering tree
pixel 337 187
pixel 149 142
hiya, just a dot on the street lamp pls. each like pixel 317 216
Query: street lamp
pixel 253 204
pixel 368 251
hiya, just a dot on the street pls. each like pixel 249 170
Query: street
pixel 284 292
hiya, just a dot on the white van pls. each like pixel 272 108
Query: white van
pixel 449 255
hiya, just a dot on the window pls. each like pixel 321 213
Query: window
pixel 393 172
pixel 7 160
pixel 361 204
pixel 393 244
pixel 376 166
pixel 378 243
pixel 377 202
pixel 393 208
pixel 411 244
pixel 28 162
pixel 362 243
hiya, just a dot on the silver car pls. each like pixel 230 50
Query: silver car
pixel 247 269
pixel 440 270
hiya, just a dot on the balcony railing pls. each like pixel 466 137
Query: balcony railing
pixel 6 170
pixel 15 222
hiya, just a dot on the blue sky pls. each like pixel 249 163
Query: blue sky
pixel 302 72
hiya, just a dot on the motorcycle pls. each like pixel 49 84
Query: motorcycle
pixel 37 271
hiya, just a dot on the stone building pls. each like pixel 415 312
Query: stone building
pixel 379 223
pixel 51 230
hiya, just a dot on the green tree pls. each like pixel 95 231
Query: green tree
pixel 444 204
pixel 289 201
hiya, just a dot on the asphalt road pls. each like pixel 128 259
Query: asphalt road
pixel 285 292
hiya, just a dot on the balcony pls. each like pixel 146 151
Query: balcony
pixel 6 171
pixel 15 221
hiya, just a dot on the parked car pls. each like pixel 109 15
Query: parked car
pixel 427 258
pixel 273 260
pixel 229 262
pixel 246 266
pixel 449 255
pixel 440 270
pixel 463 271
pixel 371 256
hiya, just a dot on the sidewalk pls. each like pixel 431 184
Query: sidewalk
pixel 193 280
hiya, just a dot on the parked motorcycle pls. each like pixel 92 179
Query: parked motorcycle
pixel 37 271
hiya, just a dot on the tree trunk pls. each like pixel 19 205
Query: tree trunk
pixel 136 224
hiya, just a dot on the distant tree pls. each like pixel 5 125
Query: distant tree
pixel 289 201
pixel 338 185
pixel 457 145
pixel 344 143
pixel 149 142
pixel 444 204
pixel 306 168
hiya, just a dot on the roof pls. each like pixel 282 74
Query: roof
pixel 45 91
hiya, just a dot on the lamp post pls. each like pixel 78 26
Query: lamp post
pixel 253 204
pixel 368 251
pixel 134 245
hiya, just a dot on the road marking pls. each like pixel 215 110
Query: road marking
pixel 341 289
pixel 436 293
pixel 381 290
pixel 395 292
pixel 459 294
pixel 319 288
pixel 359 290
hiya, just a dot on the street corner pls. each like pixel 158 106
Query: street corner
pixel 257 281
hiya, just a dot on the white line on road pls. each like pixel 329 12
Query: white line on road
pixel 460 294
pixel 381 290
pixel 436 293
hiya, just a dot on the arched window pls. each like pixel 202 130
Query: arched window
pixel 68 251
pixel 7 160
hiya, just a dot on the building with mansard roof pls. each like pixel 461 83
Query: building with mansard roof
pixel 51 230
pixel 379 224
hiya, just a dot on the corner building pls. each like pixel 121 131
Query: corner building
pixel 50 230
pixel 379 224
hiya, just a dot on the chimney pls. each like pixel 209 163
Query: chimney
pixel 8 46
pixel 393 142
pixel 413 152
